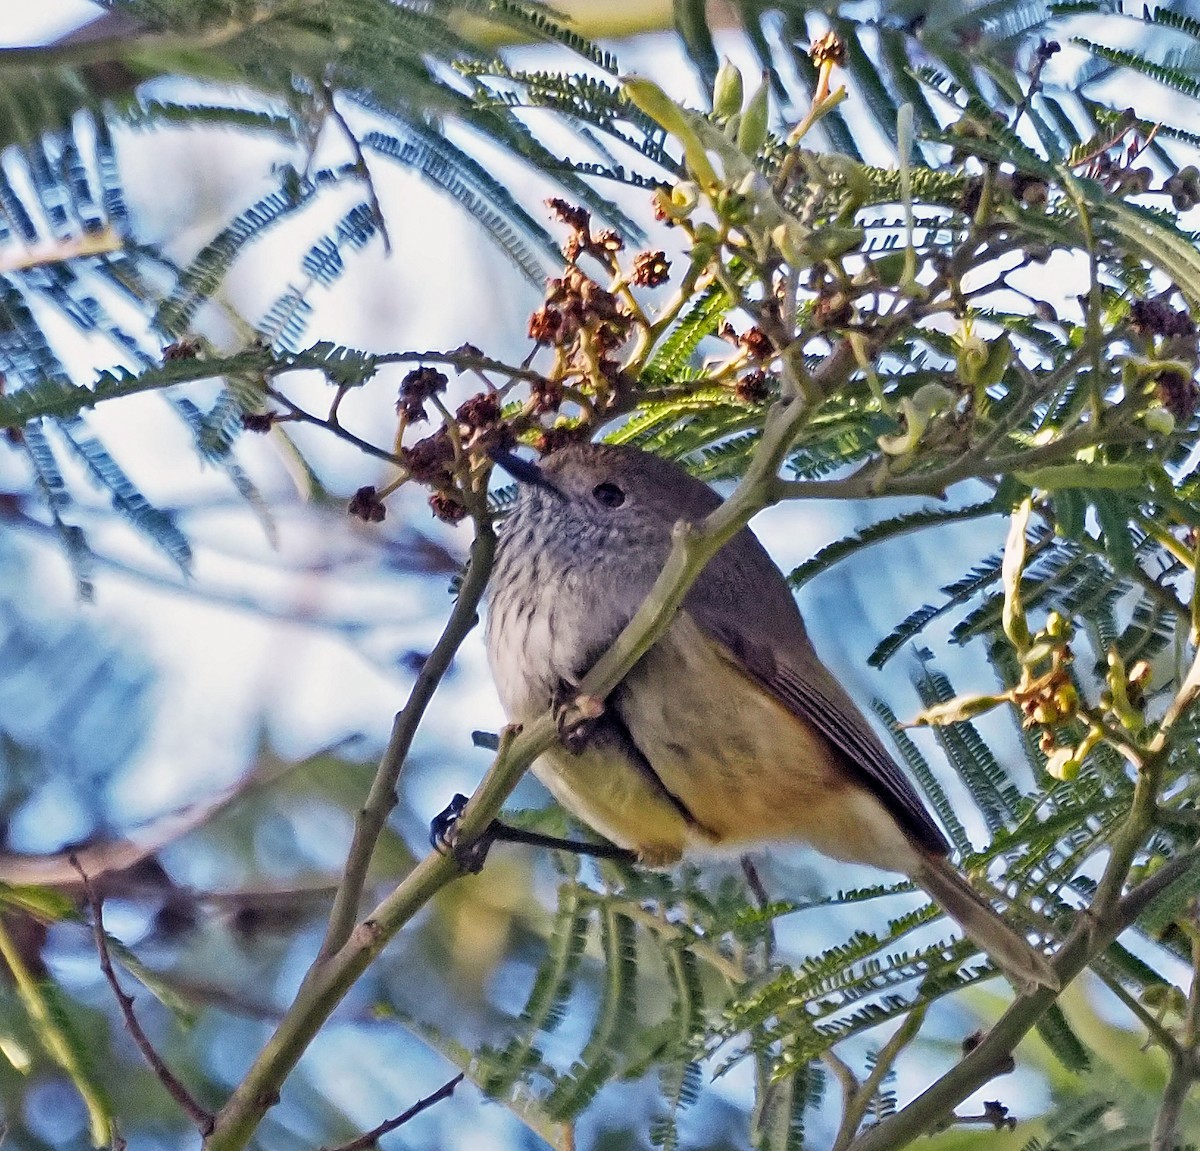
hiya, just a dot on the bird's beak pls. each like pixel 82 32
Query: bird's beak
pixel 524 471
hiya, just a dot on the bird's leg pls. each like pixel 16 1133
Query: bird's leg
pixel 443 837
pixel 471 857
pixel 575 715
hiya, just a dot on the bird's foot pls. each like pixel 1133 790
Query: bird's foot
pixel 443 837
pixel 576 716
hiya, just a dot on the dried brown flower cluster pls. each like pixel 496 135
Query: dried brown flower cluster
pixel 186 349
pixel 416 389
pixel 260 422
pixel 754 387
pixel 604 245
pixel 650 269
pixel 576 304
pixel 1184 188
pixel 1157 318
pixel 430 461
pixel 1178 394
pixel 1174 333
pixel 367 506
pixel 585 324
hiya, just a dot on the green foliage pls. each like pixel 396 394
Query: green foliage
pixel 1062 1040
pixel 884 530
pixel 1088 419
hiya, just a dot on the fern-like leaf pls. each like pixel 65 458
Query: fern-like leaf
pixel 883 530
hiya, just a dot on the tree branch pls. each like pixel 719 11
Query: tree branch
pixel 1095 929
pixel 328 981
pixel 1184 1068
pixel 1086 940
pixel 868 482
pixel 201 1118
pixel 368 823
pixel 369 1138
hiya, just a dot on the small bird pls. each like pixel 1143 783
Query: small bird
pixel 729 731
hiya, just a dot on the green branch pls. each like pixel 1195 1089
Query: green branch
pixel 369 821
pixel 329 979
pixel 1108 916
pixel 1185 1068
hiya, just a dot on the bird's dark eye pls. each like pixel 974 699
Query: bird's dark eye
pixel 609 495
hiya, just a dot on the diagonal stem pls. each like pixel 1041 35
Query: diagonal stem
pixel 1184 1068
pixel 329 980
pixel 1087 940
pixel 202 1118
pixel 368 823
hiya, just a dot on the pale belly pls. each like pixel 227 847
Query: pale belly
pixel 741 765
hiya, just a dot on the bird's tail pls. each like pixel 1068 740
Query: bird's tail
pixel 978 919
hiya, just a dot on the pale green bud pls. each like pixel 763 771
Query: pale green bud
pixel 727 89
pixel 752 132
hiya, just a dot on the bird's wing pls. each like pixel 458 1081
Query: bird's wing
pixel 768 639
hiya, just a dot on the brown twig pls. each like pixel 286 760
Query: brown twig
pixel 1185 1068
pixel 369 1138
pixel 763 898
pixel 202 1119
pixel 1042 54
pixel 107 857
pixel 306 417
pixel 371 817
pixel 360 166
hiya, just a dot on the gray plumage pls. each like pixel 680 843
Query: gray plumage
pixel 729 731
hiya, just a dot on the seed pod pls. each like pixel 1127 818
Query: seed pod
pixel 831 242
pixel 957 710
pixel 648 97
pixel 1159 421
pixel 999 356
pixel 727 89
pixel 752 132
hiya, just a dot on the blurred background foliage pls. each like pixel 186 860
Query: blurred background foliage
pixel 189 182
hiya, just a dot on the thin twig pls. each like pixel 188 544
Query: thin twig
pixel 854 1106
pixel 1184 1068
pixel 202 1119
pixel 464 359
pixel 370 1138
pixel 843 1073
pixel 360 166
pixel 1157 1032
pixel 763 899
pixel 298 413
pixel 1170 1108
pixel 369 821
pixel 1042 54
pixel 868 482
pixel 328 981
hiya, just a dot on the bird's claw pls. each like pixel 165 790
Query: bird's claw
pixel 443 837
pixel 576 716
